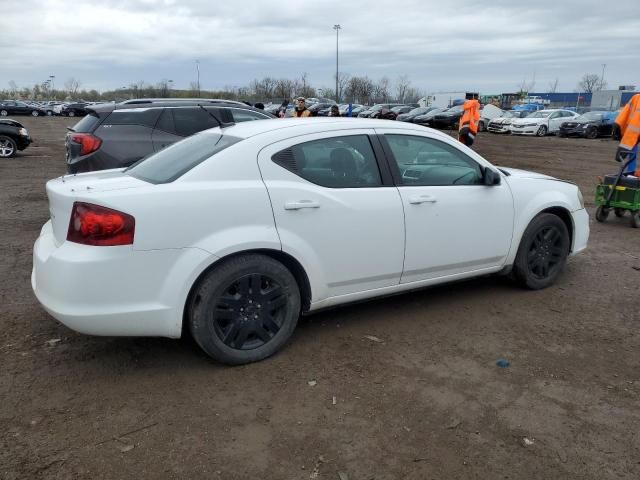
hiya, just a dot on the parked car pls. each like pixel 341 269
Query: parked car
pixel 393 113
pixel 412 114
pixel 374 111
pixel 425 119
pixel 502 124
pixel 590 125
pixel 13 137
pixel 13 107
pixel 447 119
pixel 356 110
pixel 228 234
pixel 542 122
pixel 118 135
pixel 74 110
pixel 316 107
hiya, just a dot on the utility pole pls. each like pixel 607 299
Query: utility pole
pixel 337 28
pixel 53 87
pixel 604 65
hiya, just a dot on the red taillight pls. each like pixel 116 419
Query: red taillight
pixel 95 225
pixel 90 143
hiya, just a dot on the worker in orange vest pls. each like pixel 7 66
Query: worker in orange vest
pixel 469 121
pixel 628 122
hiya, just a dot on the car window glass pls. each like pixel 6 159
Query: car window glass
pixel 246 115
pixel 428 162
pixel 174 161
pixel 191 120
pixel 147 118
pixel 337 162
pixel 165 122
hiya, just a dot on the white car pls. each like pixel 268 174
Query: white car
pixel 542 122
pixel 234 232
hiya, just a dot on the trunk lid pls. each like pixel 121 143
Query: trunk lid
pixel 62 192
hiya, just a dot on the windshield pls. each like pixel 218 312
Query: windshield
pixel 375 108
pixel 174 161
pixel 540 114
pixel 590 117
pixel 511 114
pixel 418 111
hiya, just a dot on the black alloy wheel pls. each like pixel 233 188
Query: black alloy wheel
pixel 591 133
pixel 244 309
pixel 543 252
pixel 250 312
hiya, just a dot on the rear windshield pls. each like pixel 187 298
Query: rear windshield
pixel 87 124
pixel 174 161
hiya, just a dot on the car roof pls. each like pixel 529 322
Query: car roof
pixel 107 107
pixel 315 125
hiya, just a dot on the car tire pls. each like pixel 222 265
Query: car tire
pixel 542 253
pixel 635 219
pixel 235 324
pixel 542 131
pixel 35 113
pixel 71 114
pixel 49 113
pixel 3 113
pixel 591 133
pixel 602 213
pixel 8 147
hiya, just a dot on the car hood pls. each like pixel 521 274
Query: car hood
pixel 524 121
pixel 517 173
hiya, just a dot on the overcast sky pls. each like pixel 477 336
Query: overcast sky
pixel 491 46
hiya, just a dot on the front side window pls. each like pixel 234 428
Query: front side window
pixel 193 119
pixel 337 162
pixel 425 161
pixel 246 115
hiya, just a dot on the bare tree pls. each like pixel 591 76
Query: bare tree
pixel 381 90
pixel 284 88
pixel 591 82
pixel 553 86
pixel 163 88
pixel 412 95
pixel 402 85
pixel 194 88
pixel 526 87
pixel 71 86
pixel 343 81
pixel 13 88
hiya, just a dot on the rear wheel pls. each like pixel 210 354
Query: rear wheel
pixel 542 253
pixel 8 147
pixel 245 309
pixel 4 113
pixel 35 113
pixel 72 113
pixel 542 131
pixel 602 213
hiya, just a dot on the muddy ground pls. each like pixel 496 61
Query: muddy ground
pixel 426 402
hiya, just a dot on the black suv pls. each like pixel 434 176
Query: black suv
pixel 118 135
pixel 13 137
pixel 74 110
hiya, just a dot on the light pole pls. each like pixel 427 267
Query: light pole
pixel 337 28
pixel 198 76
pixel 604 65
pixel 52 77
pixel 169 85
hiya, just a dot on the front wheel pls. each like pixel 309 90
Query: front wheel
pixel 4 113
pixel 35 113
pixel 8 147
pixel 542 131
pixel 602 213
pixel 72 114
pixel 244 309
pixel 542 253
pixel 49 113
pixel 591 133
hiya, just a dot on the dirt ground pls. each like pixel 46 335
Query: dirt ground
pixel 427 401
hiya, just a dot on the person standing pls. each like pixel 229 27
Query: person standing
pixel 300 110
pixel 628 123
pixel 334 112
pixel 469 120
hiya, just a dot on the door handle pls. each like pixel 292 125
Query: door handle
pixel 301 204
pixel 422 199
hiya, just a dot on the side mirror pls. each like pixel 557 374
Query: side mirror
pixel 491 177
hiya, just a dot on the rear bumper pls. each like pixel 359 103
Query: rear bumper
pixel 114 291
pixel 580 231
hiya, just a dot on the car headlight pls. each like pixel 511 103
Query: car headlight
pixel 23 132
pixel 529 124
pixel 580 198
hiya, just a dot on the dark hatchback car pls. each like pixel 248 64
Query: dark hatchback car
pixel 74 110
pixel 412 114
pixel 447 119
pixel 118 135
pixel 316 108
pixel 13 137
pixel 14 107
pixel 589 125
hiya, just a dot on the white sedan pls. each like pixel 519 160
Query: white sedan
pixel 232 233
pixel 542 122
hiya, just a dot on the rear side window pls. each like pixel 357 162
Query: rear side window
pixel 246 115
pixel 188 121
pixel 174 161
pixel 87 124
pixel 144 117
